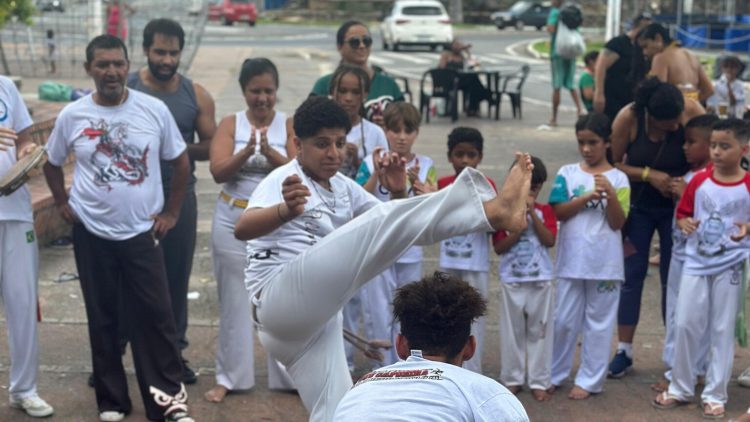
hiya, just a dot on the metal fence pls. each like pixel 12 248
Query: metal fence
pixel 26 47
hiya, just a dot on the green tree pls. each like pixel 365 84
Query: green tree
pixel 13 10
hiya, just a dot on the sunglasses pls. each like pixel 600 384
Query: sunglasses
pixel 355 42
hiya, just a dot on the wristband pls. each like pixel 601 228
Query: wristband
pixel 278 211
pixel 644 173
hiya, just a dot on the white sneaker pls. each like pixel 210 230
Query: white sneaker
pixel 33 406
pixel 744 378
pixel 111 416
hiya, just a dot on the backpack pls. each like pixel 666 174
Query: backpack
pixel 571 16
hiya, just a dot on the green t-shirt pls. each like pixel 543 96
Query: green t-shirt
pixel 383 90
pixel 552 19
pixel 586 81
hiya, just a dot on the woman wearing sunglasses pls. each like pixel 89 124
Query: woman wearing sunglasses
pixel 354 42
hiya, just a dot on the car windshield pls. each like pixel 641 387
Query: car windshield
pixel 519 7
pixel 422 11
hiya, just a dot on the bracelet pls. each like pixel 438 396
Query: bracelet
pixel 644 173
pixel 278 211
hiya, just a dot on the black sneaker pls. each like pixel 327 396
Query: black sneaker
pixel 179 416
pixel 620 364
pixel 188 375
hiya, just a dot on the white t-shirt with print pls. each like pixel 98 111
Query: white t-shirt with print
pixel 528 260
pixel 242 184
pixel 718 206
pixel 587 248
pixel 426 172
pixel 424 390
pixel 117 181
pixel 679 240
pixel 325 211
pixel 13 115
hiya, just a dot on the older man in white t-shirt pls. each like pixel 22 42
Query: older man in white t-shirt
pixel 436 314
pixel 118 137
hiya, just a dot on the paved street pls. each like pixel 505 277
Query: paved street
pixel 302 54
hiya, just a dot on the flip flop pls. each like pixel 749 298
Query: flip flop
pixel 664 397
pixel 710 408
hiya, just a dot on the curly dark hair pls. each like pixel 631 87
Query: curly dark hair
pixel 739 128
pixel 436 313
pixel 256 67
pixel 317 113
pixel 463 134
pixel 662 101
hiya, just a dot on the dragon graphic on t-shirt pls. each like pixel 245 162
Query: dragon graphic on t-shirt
pixel 115 160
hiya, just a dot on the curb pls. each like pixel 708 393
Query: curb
pixel 533 53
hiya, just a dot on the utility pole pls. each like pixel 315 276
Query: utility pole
pixel 456 10
pixel 613 19
pixel 95 11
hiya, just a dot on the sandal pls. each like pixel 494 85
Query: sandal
pixel 666 401
pixel 713 410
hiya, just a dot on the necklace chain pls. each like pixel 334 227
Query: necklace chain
pixel 331 206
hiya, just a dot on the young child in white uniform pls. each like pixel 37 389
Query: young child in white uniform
pixel 527 295
pixel 350 86
pixel 697 154
pixel 591 199
pixel 402 121
pixel 713 275
pixel 729 90
pixel 435 315
pixel 309 254
pixel 467 257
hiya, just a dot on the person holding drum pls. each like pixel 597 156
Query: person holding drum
pixel 118 137
pixel 18 245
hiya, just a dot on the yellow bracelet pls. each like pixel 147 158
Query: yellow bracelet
pixel 644 174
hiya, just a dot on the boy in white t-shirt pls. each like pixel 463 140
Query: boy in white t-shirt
pixel 467 257
pixel 527 295
pixel 698 155
pixel 435 314
pixel 713 280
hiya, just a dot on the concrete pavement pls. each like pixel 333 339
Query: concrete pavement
pixel 64 351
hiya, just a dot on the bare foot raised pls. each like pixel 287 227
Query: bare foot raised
pixel 578 393
pixel 507 211
pixel 216 394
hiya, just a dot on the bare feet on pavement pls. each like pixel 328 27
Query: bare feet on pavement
pixel 578 393
pixel 515 389
pixel 216 394
pixel 540 395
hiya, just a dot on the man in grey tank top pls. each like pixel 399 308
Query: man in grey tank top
pixel 193 109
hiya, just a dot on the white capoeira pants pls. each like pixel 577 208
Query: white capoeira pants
pixel 478 280
pixel 235 360
pixel 526 330
pixel 298 311
pixel 19 270
pixel 374 303
pixel 706 303
pixel 588 307
pixel 667 356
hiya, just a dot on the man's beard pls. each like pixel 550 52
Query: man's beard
pixel 154 69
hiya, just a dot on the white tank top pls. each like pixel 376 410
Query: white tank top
pixel 257 167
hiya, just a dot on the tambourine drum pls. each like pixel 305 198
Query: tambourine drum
pixel 17 175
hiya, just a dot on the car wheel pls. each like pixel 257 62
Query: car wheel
pixel 500 26
pixel 396 46
pixel 434 47
pixel 251 23
pixel 519 25
pixel 226 21
pixel 539 28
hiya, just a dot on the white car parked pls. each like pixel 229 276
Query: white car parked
pixel 416 22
